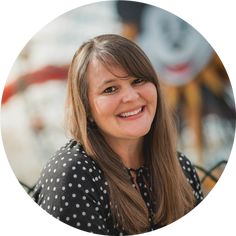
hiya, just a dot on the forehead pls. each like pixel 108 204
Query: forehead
pixel 98 72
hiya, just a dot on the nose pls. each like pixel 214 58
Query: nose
pixel 129 94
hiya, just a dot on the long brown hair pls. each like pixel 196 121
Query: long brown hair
pixel 170 190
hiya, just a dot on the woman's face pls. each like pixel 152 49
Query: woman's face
pixel 123 108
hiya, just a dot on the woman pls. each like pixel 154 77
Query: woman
pixel 121 173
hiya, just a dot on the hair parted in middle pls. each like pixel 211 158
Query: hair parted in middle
pixel 171 192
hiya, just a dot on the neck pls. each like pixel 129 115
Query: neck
pixel 130 151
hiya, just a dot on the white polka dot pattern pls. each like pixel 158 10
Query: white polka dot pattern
pixel 72 188
pixel 71 192
pixel 192 177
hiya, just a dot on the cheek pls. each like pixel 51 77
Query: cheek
pixel 102 106
pixel 150 94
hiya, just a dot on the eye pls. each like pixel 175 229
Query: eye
pixel 139 81
pixel 110 90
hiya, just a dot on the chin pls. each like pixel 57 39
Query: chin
pixel 138 133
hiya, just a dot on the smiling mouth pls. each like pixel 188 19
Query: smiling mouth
pixel 179 68
pixel 131 113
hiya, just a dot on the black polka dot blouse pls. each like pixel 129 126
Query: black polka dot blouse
pixel 72 188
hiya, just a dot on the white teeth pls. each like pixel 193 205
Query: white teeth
pixel 131 113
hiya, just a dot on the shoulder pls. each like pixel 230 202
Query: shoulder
pixel 71 158
pixel 185 163
pixel 191 176
pixel 69 167
pixel 72 189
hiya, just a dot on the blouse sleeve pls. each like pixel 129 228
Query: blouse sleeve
pixel 192 177
pixel 71 190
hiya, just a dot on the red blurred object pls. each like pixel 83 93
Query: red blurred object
pixel 40 76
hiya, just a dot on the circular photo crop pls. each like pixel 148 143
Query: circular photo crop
pixel 128 117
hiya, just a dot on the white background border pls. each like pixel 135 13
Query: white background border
pixel 20 20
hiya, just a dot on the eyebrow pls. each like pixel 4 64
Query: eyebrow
pixel 110 81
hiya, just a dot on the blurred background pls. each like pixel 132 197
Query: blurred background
pixel 196 86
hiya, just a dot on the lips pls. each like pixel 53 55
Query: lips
pixel 131 112
pixel 179 68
